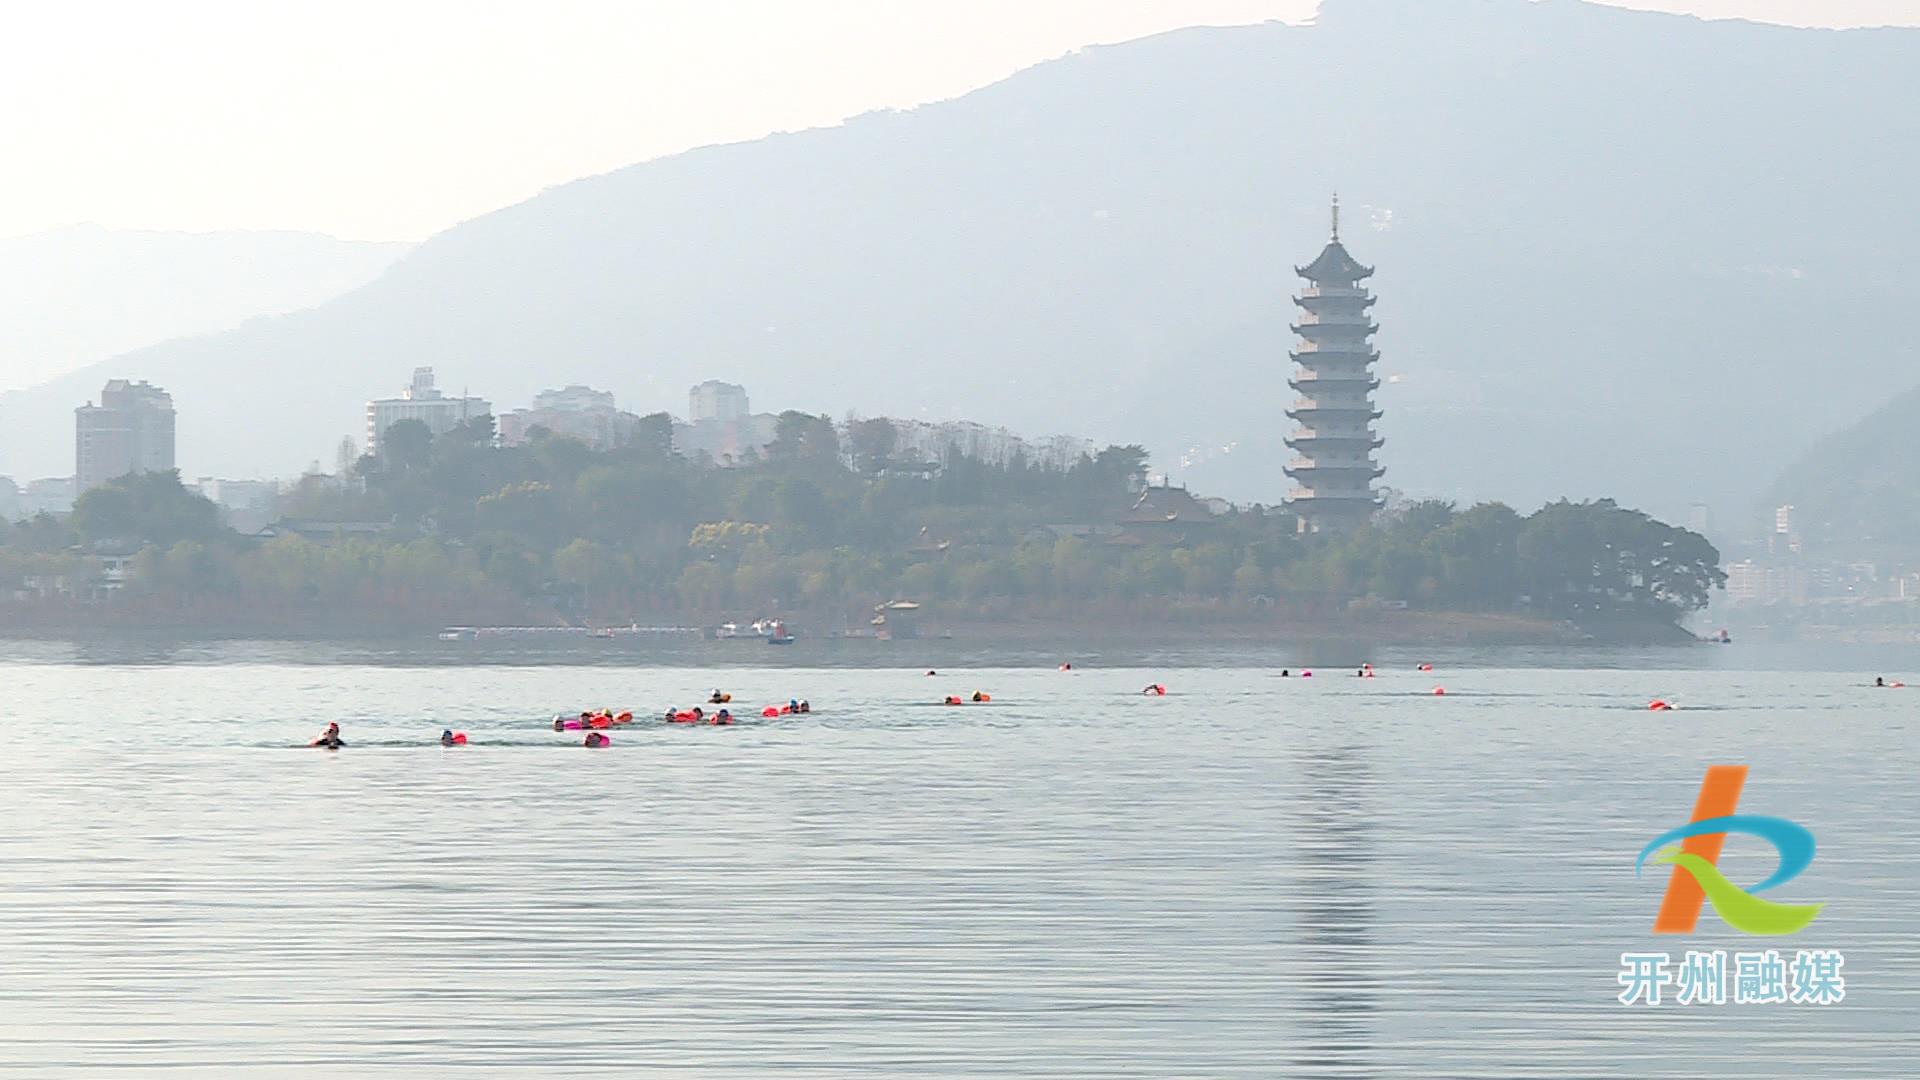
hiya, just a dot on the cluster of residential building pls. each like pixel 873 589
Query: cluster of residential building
pixel 131 430
pixel 1784 572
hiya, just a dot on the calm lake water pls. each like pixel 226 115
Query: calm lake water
pixel 1250 877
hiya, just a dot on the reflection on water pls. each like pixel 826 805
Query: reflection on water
pixel 1337 955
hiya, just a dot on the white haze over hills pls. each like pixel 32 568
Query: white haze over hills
pixel 76 295
pixel 1619 254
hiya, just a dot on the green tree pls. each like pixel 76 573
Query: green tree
pixel 151 507
pixel 406 445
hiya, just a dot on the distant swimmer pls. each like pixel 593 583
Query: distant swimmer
pixel 1879 680
pixel 1154 690
pixel 723 717
pixel 719 698
pixel 1068 666
pixel 1285 674
pixel 978 696
pixel 954 699
pixel 932 672
pixel 450 737
pixel 805 706
pixel 329 739
pixel 596 738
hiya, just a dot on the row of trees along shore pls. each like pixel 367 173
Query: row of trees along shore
pixel 833 520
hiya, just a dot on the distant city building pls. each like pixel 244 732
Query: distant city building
pixel 721 425
pixel 716 400
pixel 1783 519
pixel 577 412
pixel 423 402
pixel 247 505
pixel 49 495
pixel 1700 518
pixel 727 442
pixel 1334 470
pixel 130 431
pixel 1750 583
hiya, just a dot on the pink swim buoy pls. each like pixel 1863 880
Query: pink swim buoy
pixel 1657 705
pixel 770 711
pixel 1439 691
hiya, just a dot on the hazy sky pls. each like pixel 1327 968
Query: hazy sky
pixel 391 119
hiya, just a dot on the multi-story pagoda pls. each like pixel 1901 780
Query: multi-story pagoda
pixel 1333 469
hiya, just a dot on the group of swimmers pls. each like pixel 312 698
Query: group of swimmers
pixel 595 723
pixel 977 698
pixel 592 721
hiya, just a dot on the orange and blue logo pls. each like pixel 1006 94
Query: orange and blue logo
pixel 1697 879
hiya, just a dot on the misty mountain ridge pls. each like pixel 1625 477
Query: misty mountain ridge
pixel 1616 251
pixel 81 293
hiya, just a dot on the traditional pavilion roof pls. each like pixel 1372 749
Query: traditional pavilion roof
pixel 1162 504
pixel 1334 264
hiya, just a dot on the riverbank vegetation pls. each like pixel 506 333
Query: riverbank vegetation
pixel 833 520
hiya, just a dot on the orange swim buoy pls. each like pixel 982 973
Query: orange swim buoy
pixel 459 738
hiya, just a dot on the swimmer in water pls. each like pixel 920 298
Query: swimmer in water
pixel 930 671
pixel 718 698
pixel 1879 680
pixel 804 706
pixel 594 738
pixel 446 737
pixel 978 696
pixel 1285 674
pixel 723 717
pixel 330 739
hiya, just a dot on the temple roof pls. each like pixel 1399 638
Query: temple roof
pixel 1334 264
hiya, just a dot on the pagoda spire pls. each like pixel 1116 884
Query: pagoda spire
pixel 1336 217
